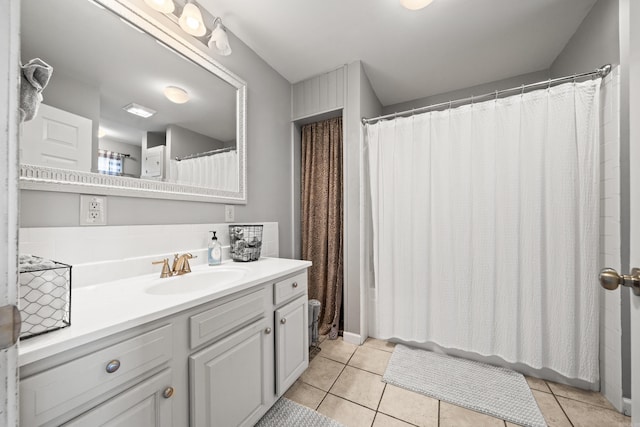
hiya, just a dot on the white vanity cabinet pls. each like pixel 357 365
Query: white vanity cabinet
pixel 222 362
pixel 292 330
pixel 67 389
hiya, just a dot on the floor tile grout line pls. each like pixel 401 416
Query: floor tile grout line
pixel 560 405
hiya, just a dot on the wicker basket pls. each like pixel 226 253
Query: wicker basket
pixel 246 242
pixel 45 296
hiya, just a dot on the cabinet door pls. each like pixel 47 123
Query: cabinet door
pixel 292 343
pixel 147 404
pixel 231 381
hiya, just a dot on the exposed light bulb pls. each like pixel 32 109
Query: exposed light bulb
pixel 164 6
pixel 191 20
pixel 176 94
pixel 415 4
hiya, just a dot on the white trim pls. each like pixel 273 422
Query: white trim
pixel 353 338
pixel 626 406
pixel 50 179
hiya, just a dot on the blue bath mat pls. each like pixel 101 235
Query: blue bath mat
pixel 499 392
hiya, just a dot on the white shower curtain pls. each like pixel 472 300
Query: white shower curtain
pixel 485 228
pixel 218 171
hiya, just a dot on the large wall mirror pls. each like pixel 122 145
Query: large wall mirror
pixel 131 109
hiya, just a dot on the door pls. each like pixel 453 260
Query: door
pixel 231 381
pixel 292 343
pixel 147 404
pixel 58 139
pixel 634 159
pixel 9 66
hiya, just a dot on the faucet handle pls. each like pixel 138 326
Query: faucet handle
pixel 186 268
pixel 166 272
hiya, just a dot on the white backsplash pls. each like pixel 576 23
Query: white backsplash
pixel 103 254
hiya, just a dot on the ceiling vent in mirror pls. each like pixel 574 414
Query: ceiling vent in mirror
pixel 139 110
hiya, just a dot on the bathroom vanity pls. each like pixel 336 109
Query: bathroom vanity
pixel 146 352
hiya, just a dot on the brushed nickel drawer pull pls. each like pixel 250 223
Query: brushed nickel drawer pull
pixel 267 331
pixel 283 320
pixel 295 284
pixel 113 366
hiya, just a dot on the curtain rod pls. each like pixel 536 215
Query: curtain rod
pixel 206 153
pixel 598 72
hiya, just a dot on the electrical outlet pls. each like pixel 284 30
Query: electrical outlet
pixel 229 213
pixel 93 210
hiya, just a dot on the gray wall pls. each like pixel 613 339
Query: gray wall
pixel 132 165
pixel 182 142
pixel 482 89
pixel 268 166
pixel 361 102
pixel 597 42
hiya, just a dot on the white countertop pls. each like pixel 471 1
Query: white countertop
pixel 104 309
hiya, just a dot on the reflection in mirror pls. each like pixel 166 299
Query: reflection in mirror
pixel 122 103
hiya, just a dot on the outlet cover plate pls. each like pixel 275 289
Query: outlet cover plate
pixel 229 213
pixel 93 210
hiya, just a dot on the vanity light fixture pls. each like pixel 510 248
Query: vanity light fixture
pixel 139 110
pixel 191 20
pixel 164 6
pixel 101 132
pixel 415 4
pixel 219 40
pixel 176 94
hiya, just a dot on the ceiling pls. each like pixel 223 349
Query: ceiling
pixel 449 45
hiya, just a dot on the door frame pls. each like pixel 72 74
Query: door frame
pixel 9 220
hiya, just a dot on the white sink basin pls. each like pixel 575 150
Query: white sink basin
pixel 196 282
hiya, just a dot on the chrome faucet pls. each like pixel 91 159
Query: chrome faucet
pixel 180 265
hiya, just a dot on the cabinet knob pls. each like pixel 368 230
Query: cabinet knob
pixel 283 320
pixel 113 366
pixel 267 331
pixel 295 284
pixel 168 392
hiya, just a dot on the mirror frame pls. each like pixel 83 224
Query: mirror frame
pixel 33 177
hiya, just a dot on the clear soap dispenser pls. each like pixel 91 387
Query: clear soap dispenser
pixel 215 250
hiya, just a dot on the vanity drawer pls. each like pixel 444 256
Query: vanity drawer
pixel 288 288
pixel 57 391
pixel 219 321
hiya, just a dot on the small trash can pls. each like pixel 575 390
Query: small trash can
pixel 314 314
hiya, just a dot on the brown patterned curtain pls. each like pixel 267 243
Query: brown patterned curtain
pixel 322 217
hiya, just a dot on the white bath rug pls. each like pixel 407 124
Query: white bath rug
pixel 286 413
pixel 499 392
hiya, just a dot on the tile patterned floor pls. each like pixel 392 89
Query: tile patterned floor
pixel 344 382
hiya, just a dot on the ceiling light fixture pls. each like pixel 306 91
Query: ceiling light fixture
pixel 164 6
pixel 176 94
pixel 415 4
pixel 191 20
pixel 139 110
pixel 219 40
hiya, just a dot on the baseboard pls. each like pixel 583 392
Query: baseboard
pixel 352 338
pixel 626 406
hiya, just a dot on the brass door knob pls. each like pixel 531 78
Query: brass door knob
pixel 610 280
